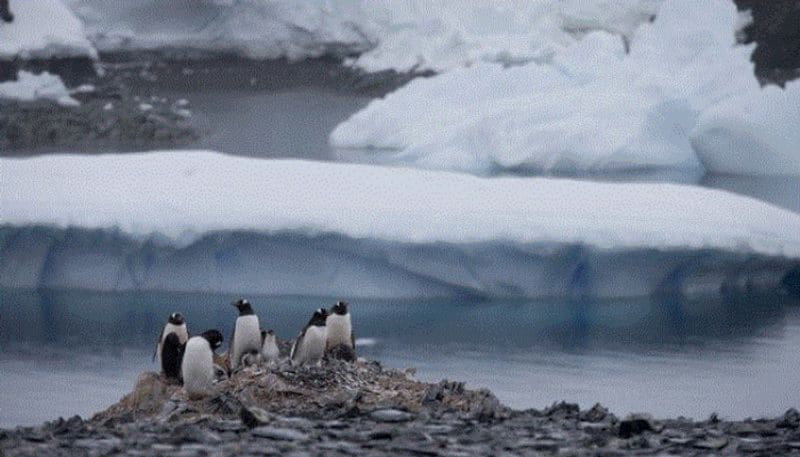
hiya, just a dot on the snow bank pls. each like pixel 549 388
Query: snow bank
pixel 753 133
pixel 400 35
pixel 30 87
pixel 287 226
pixel 43 29
pixel 593 108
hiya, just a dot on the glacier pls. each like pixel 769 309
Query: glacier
pixel 373 35
pixel 683 96
pixel 43 29
pixel 205 221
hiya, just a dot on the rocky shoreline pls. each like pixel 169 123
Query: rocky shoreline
pixel 134 101
pixel 363 409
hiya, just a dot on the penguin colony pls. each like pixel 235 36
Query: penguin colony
pixel 193 361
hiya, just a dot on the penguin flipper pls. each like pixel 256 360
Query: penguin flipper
pixel 230 344
pixel 353 340
pixel 296 344
pixel 158 343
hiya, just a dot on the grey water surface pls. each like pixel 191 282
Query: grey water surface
pixel 76 352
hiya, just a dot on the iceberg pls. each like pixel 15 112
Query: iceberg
pixel 43 29
pixel 204 221
pixel 30 87
pixel 683 97
pixel 399 35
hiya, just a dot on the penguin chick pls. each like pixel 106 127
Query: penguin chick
pixel 172 356
pixel 269 346
pixel 246 338
pixel 198 363
pixel 310 344
pixel 175 324
pixel 221 368
pixel 339 328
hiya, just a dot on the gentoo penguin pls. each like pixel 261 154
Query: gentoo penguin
pixel 198 363
pixel 246 338
pixel 5 11
pixel 310 344
pixel 269 346
pixel 339 327
pixel 172 356
pixel 175 324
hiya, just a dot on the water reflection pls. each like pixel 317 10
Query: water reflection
pixel 666 356
pixel 69 318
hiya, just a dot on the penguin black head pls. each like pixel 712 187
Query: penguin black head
pixel 264 334
pixel 176 319
pixel 243 306
pixel 319 317
pixel 339 308
pixel 214 338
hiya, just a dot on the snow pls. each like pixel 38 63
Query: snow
pixel 42 29
pixel 753 133
pixel 592 108
pixel 30 87
pixel 198 220
pixel 401 35
pixel 198 191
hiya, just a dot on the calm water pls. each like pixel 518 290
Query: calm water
pixel 71 352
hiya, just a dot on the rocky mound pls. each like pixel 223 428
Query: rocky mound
pixel 331 390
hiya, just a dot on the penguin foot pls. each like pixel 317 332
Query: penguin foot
pixel 342 352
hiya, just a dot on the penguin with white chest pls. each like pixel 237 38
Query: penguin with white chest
pixel 246 338
pixel 175 325
pixel 269 347
pixel 197 367
pixel 310 344
pixel 339 340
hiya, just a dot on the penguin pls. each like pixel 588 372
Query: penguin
pixel 172 356
pixel 310 344
pixel 246 337
pixel 197 368
pixel 339 327
pixel 5 11
pixel 175 324
pixel 269 346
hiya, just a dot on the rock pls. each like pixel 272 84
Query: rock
pixel 391 415
pixel 71 425
pixel 380 435
pixel 193 434
pixel 634 426
pixel 713 444
pixel 106 444
pixel 791 419
pixel 253 417
pixel 742 429
pixel 596 414
pixel 276 433
pixel 752 445
pixel 562 410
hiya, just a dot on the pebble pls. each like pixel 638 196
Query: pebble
pixel 277 433
pixel 391 415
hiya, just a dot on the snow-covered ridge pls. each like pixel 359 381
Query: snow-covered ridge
pixel 287 226
pixel 401 35
pixel 43 29
pixel 683 97
pixel 174 193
